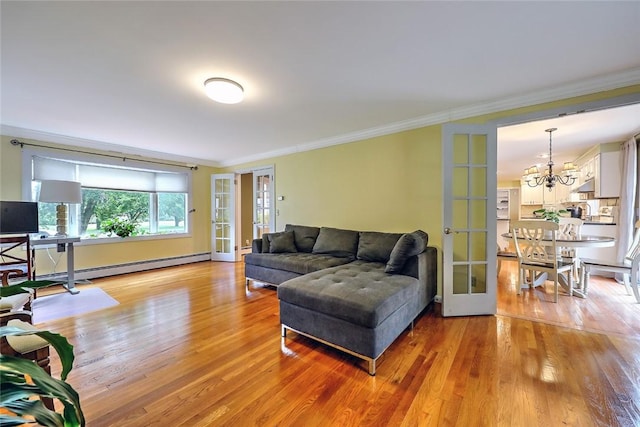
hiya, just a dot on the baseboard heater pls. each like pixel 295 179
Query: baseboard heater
pixel 132 267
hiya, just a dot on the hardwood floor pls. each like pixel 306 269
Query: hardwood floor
pixel 190 346
pixel 607 309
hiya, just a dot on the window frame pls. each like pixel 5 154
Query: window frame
pixel 105 160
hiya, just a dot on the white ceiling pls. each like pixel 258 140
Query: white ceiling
pixel 128 76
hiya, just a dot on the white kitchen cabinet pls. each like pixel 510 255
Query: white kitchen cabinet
pixel 541 195
pixel 503 204
pixel 587 170
pixel 562 193
pixel 607 174
pixel 531 195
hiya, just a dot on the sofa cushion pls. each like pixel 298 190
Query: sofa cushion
pixel 296 262
pixel 376 247
pixel 359 292
pixel 410 244
pixel 304 236
pixel 336 242
pixel 281 242
pixel 265 243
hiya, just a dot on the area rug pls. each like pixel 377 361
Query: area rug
pixel 58 306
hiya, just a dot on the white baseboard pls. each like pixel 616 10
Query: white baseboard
pixel 113 270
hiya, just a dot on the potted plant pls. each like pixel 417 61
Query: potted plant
pixel 123 227
pixel 550 214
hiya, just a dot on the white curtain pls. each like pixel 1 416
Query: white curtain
pixel 628 193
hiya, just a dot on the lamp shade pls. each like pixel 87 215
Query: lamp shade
pixel 54 191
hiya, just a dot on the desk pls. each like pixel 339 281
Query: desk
pixel 62 244
pixel 579 241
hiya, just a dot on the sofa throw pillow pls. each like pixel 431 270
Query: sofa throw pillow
pixel 336 242
pixel 408 245
pixel 281 242
pixel 376 247
pixel 265 243
pixel 304 236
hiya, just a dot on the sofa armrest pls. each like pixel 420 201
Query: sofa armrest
pixel 424 267
pixel 256 246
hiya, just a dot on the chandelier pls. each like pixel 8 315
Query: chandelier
pixel 534 178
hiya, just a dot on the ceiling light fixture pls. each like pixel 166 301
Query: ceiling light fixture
pixel 534 178
pixel 224 90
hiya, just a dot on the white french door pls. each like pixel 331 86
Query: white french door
pixel 263 207
pixel 223 214
pixel 469 219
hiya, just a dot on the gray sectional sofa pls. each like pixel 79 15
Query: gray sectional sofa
pixel 353 290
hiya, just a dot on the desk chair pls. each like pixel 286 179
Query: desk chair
pixel 14 263
pixel 629 267
pixel 535 243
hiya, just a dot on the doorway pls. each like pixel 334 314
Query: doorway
pixel 254 212
pixel 603 122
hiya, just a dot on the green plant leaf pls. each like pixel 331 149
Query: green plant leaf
pixel 8 421
pixel 45 386
pixel 20 288
pixel 57 341
pixel 36 408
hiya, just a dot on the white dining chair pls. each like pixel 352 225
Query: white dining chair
pixel 629 267
pixel 535 243
pixel 571 227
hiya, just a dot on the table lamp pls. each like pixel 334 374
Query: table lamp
pixel 61 192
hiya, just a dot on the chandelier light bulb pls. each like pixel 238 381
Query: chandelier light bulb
pixel 223 90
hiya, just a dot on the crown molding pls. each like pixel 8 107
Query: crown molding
pixel 17 132
pixel 579 88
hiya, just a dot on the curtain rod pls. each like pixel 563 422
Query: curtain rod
pixel 124 158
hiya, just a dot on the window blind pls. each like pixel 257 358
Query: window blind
pixel 110 177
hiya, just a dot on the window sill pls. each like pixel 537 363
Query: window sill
pixel 116 239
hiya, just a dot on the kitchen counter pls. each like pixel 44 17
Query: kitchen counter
pixel 586 222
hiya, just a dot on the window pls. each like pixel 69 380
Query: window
pixel 133 200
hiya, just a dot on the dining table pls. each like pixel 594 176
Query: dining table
pixel 573 241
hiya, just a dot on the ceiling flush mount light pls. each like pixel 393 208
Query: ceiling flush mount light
pixel 534 178
pixel 224 90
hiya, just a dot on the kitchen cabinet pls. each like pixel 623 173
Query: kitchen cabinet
pixel 604 169
pixel 531 195
pixel 587 170
pixel 503 204
pixel 541 195
pixel 563 193
pixel 508 200
pixel 607 174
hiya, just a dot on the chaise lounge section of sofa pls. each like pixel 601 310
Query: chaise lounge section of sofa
pixel 355 291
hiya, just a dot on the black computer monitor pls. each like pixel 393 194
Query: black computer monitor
pixel 18 217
